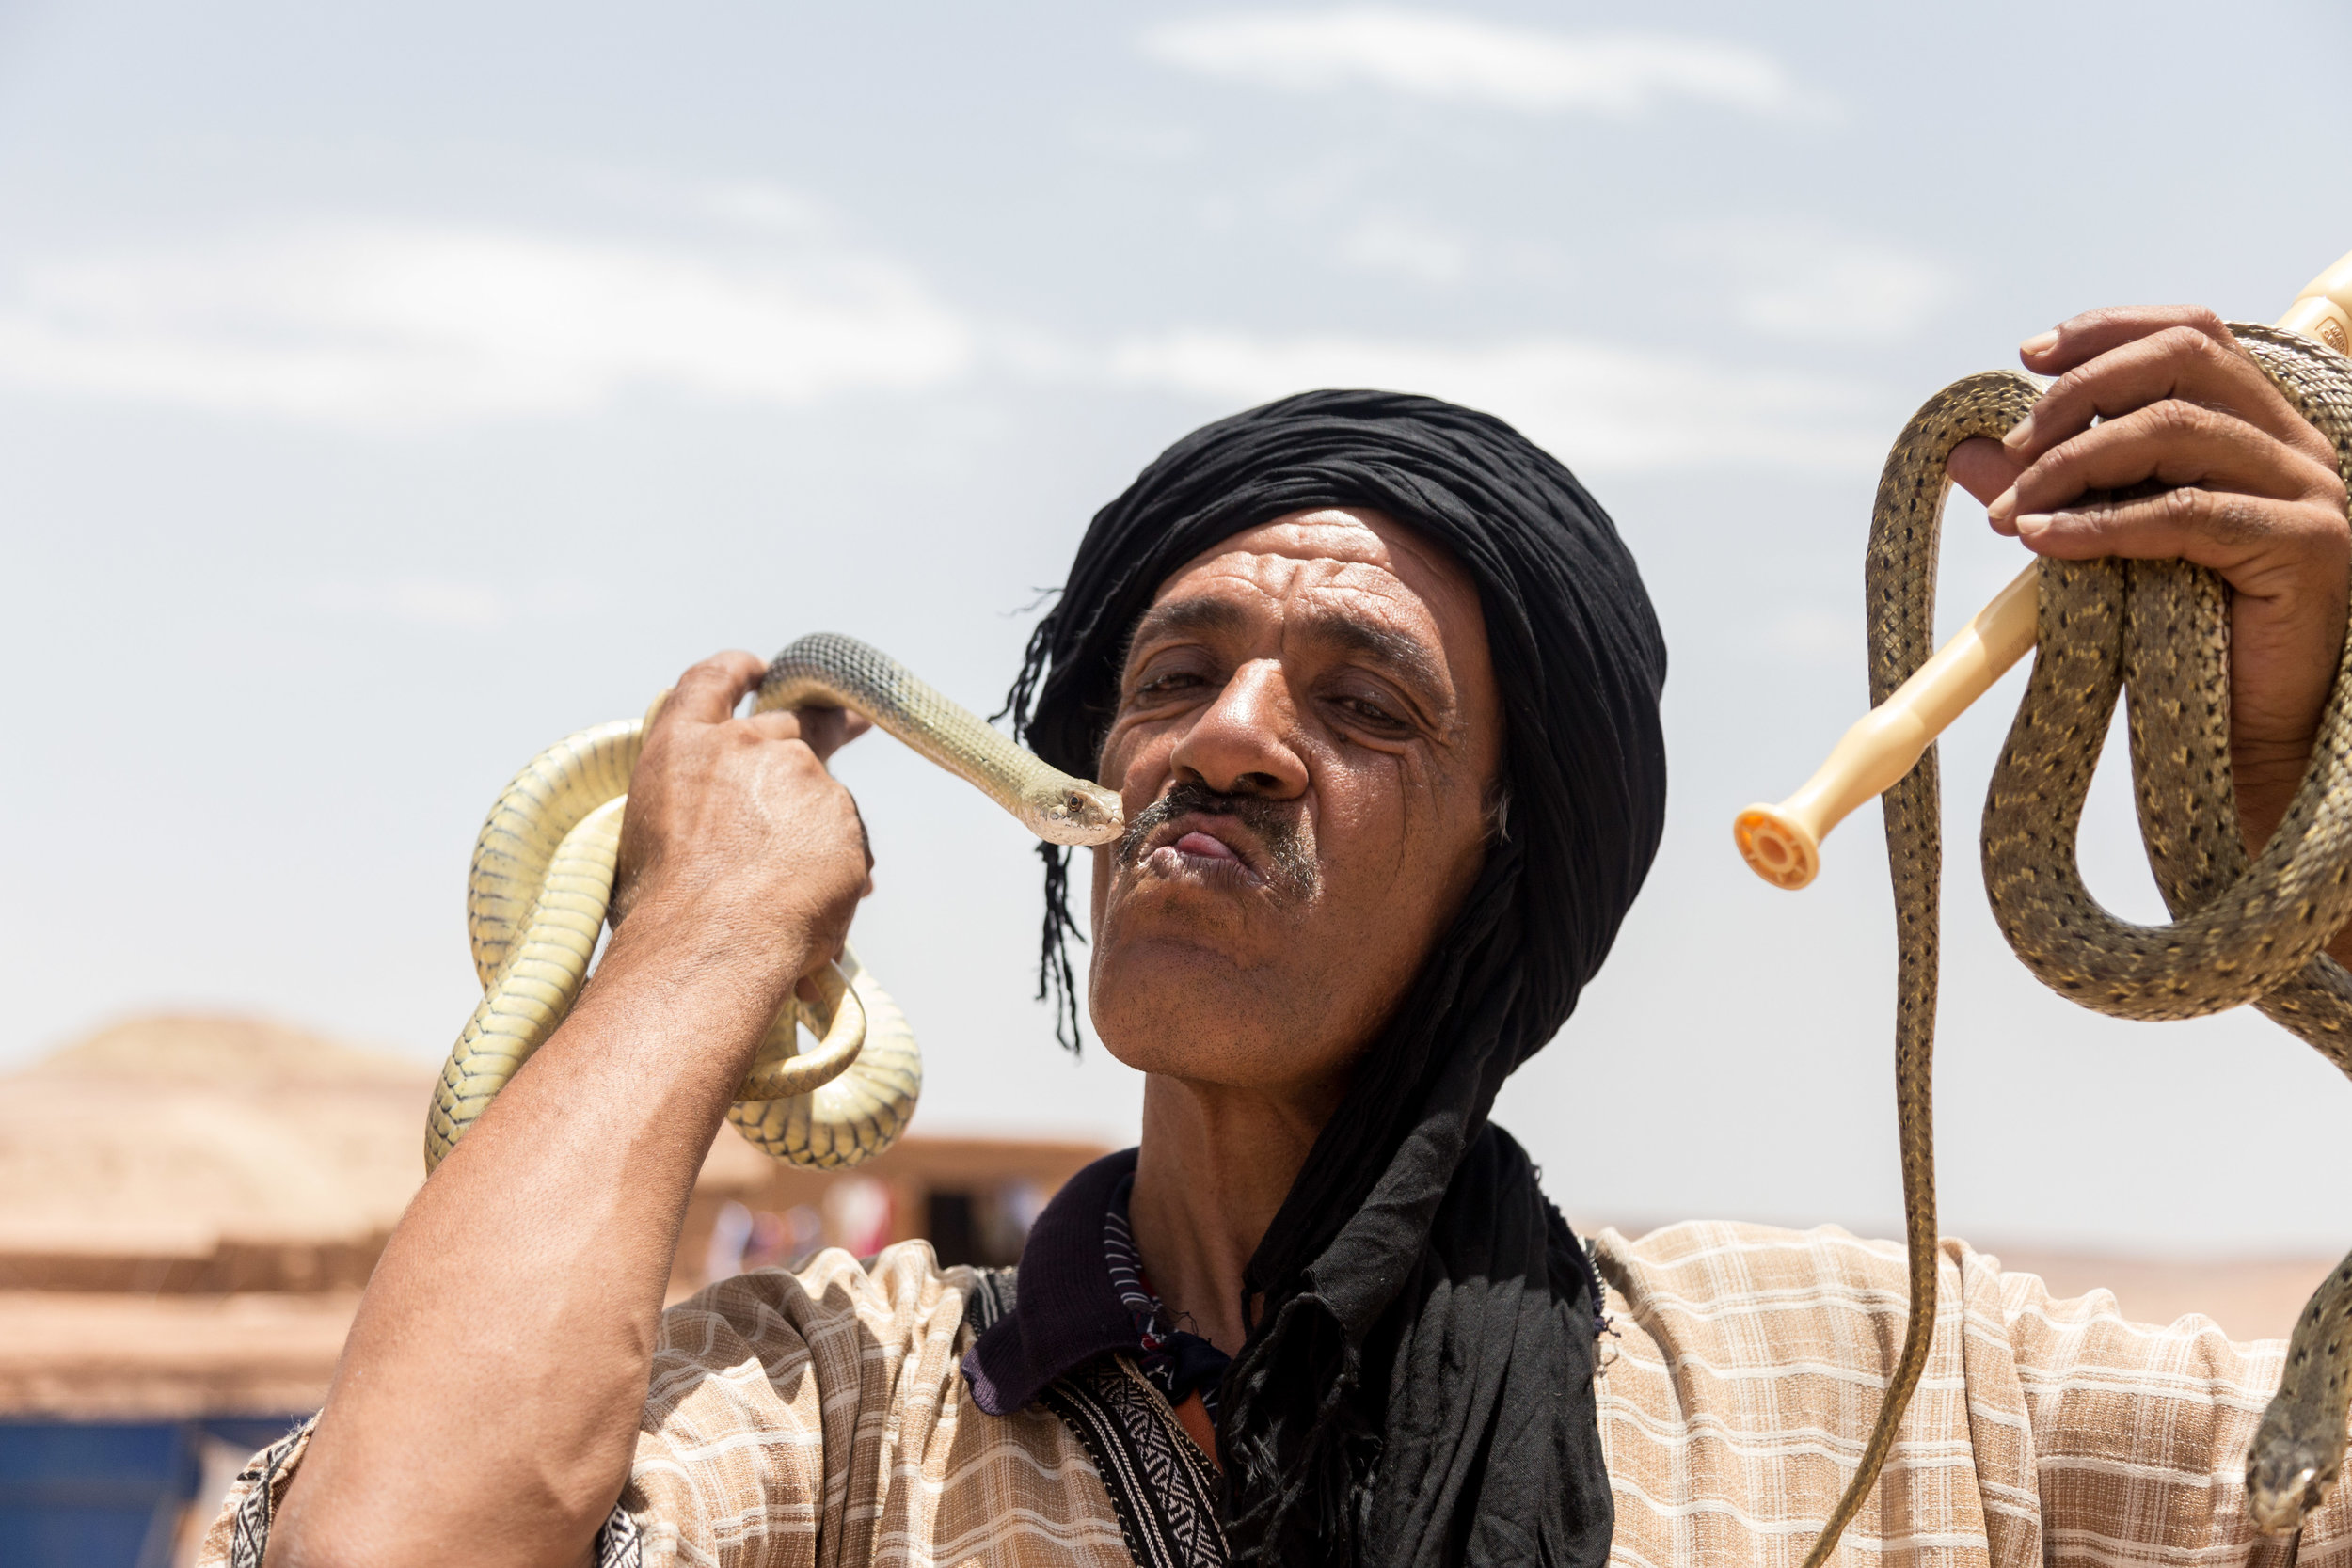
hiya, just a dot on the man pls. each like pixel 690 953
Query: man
pixel 1378 683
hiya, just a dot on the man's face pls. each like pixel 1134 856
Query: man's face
pixel 1306 736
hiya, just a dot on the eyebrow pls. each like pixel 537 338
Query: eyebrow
pixel 1395 652
pixel 1202 616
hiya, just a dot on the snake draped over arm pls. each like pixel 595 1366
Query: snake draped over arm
pixel 542 880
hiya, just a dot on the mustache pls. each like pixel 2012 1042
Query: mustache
pixel 1290 860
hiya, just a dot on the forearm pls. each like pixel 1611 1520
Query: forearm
pixel 486 1405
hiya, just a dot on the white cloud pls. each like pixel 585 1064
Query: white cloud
pixel 1593 406
pixel 392 325
pixel 1431 54
pixel 386 325
pixel 1797 282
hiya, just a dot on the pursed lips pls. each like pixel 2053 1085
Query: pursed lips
pixel 1198 843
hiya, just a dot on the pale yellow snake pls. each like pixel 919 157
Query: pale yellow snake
pixel 2241 933
pixel 541 878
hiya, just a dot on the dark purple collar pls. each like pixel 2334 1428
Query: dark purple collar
pixel 1065 1310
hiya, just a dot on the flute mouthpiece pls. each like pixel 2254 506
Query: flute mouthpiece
pixel 1777 848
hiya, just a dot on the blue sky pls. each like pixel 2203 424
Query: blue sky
pixel 387 392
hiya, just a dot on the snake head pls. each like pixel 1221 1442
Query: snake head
pixel 2284 1481
pixel 1075 812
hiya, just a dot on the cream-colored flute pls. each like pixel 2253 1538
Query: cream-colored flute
pixel 1782 843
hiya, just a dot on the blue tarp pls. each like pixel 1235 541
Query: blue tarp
pixel 104 1494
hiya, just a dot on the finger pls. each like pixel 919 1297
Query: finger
pixel 780 724
pixel 825 730
pixel 2170 443
pixel 1983 467
pixel 708 691
pixel 2178 363
pixel 2221 529
pixel 2080 338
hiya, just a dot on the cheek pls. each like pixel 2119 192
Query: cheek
pixel 1133 761
pixel 1405 829
pixel 1381 807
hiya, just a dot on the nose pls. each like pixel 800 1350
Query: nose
pixel 1240 743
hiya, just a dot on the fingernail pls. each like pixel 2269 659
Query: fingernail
pixel 2002 505
pixel 2032 525
pixel 2040 342
pixel 2019 433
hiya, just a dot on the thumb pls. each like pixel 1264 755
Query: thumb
pixel 1983 467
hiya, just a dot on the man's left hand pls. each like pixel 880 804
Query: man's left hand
pixel 2196 454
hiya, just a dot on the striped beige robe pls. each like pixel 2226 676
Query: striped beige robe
pixel 820 1419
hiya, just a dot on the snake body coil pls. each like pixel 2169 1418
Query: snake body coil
pixel 542 878
pixel 2242 932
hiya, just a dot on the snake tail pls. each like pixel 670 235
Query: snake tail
pixel 1899 587
pixel 848 1119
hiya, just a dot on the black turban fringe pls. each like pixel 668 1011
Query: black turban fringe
pixel 1418 1385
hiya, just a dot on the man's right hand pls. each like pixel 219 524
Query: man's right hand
pixel 486 1405
pixel 736 837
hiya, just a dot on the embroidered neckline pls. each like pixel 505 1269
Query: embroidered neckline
pixel 1178 1362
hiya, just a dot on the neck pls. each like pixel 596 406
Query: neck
pixel 1215 1166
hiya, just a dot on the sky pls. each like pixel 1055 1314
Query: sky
pixel 388 391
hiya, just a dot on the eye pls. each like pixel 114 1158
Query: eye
pixel 1366 711
pixel 1166 684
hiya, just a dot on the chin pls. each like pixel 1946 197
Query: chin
pixel 1201 976
pixel 1186 1011
pixel 1183 1010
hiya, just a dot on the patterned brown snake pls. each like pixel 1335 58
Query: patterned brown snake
pixel 2242 931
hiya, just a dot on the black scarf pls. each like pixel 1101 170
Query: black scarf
pixel 1418 1388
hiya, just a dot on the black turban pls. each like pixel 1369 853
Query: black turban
pixel 1418 1385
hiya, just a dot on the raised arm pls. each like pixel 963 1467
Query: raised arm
pixel 486 1405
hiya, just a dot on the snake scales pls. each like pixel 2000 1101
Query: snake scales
pixel 2242 932
pixel 542 878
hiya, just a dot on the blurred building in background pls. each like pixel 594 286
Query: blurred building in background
pixel 973 1198
pixel 190 1206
